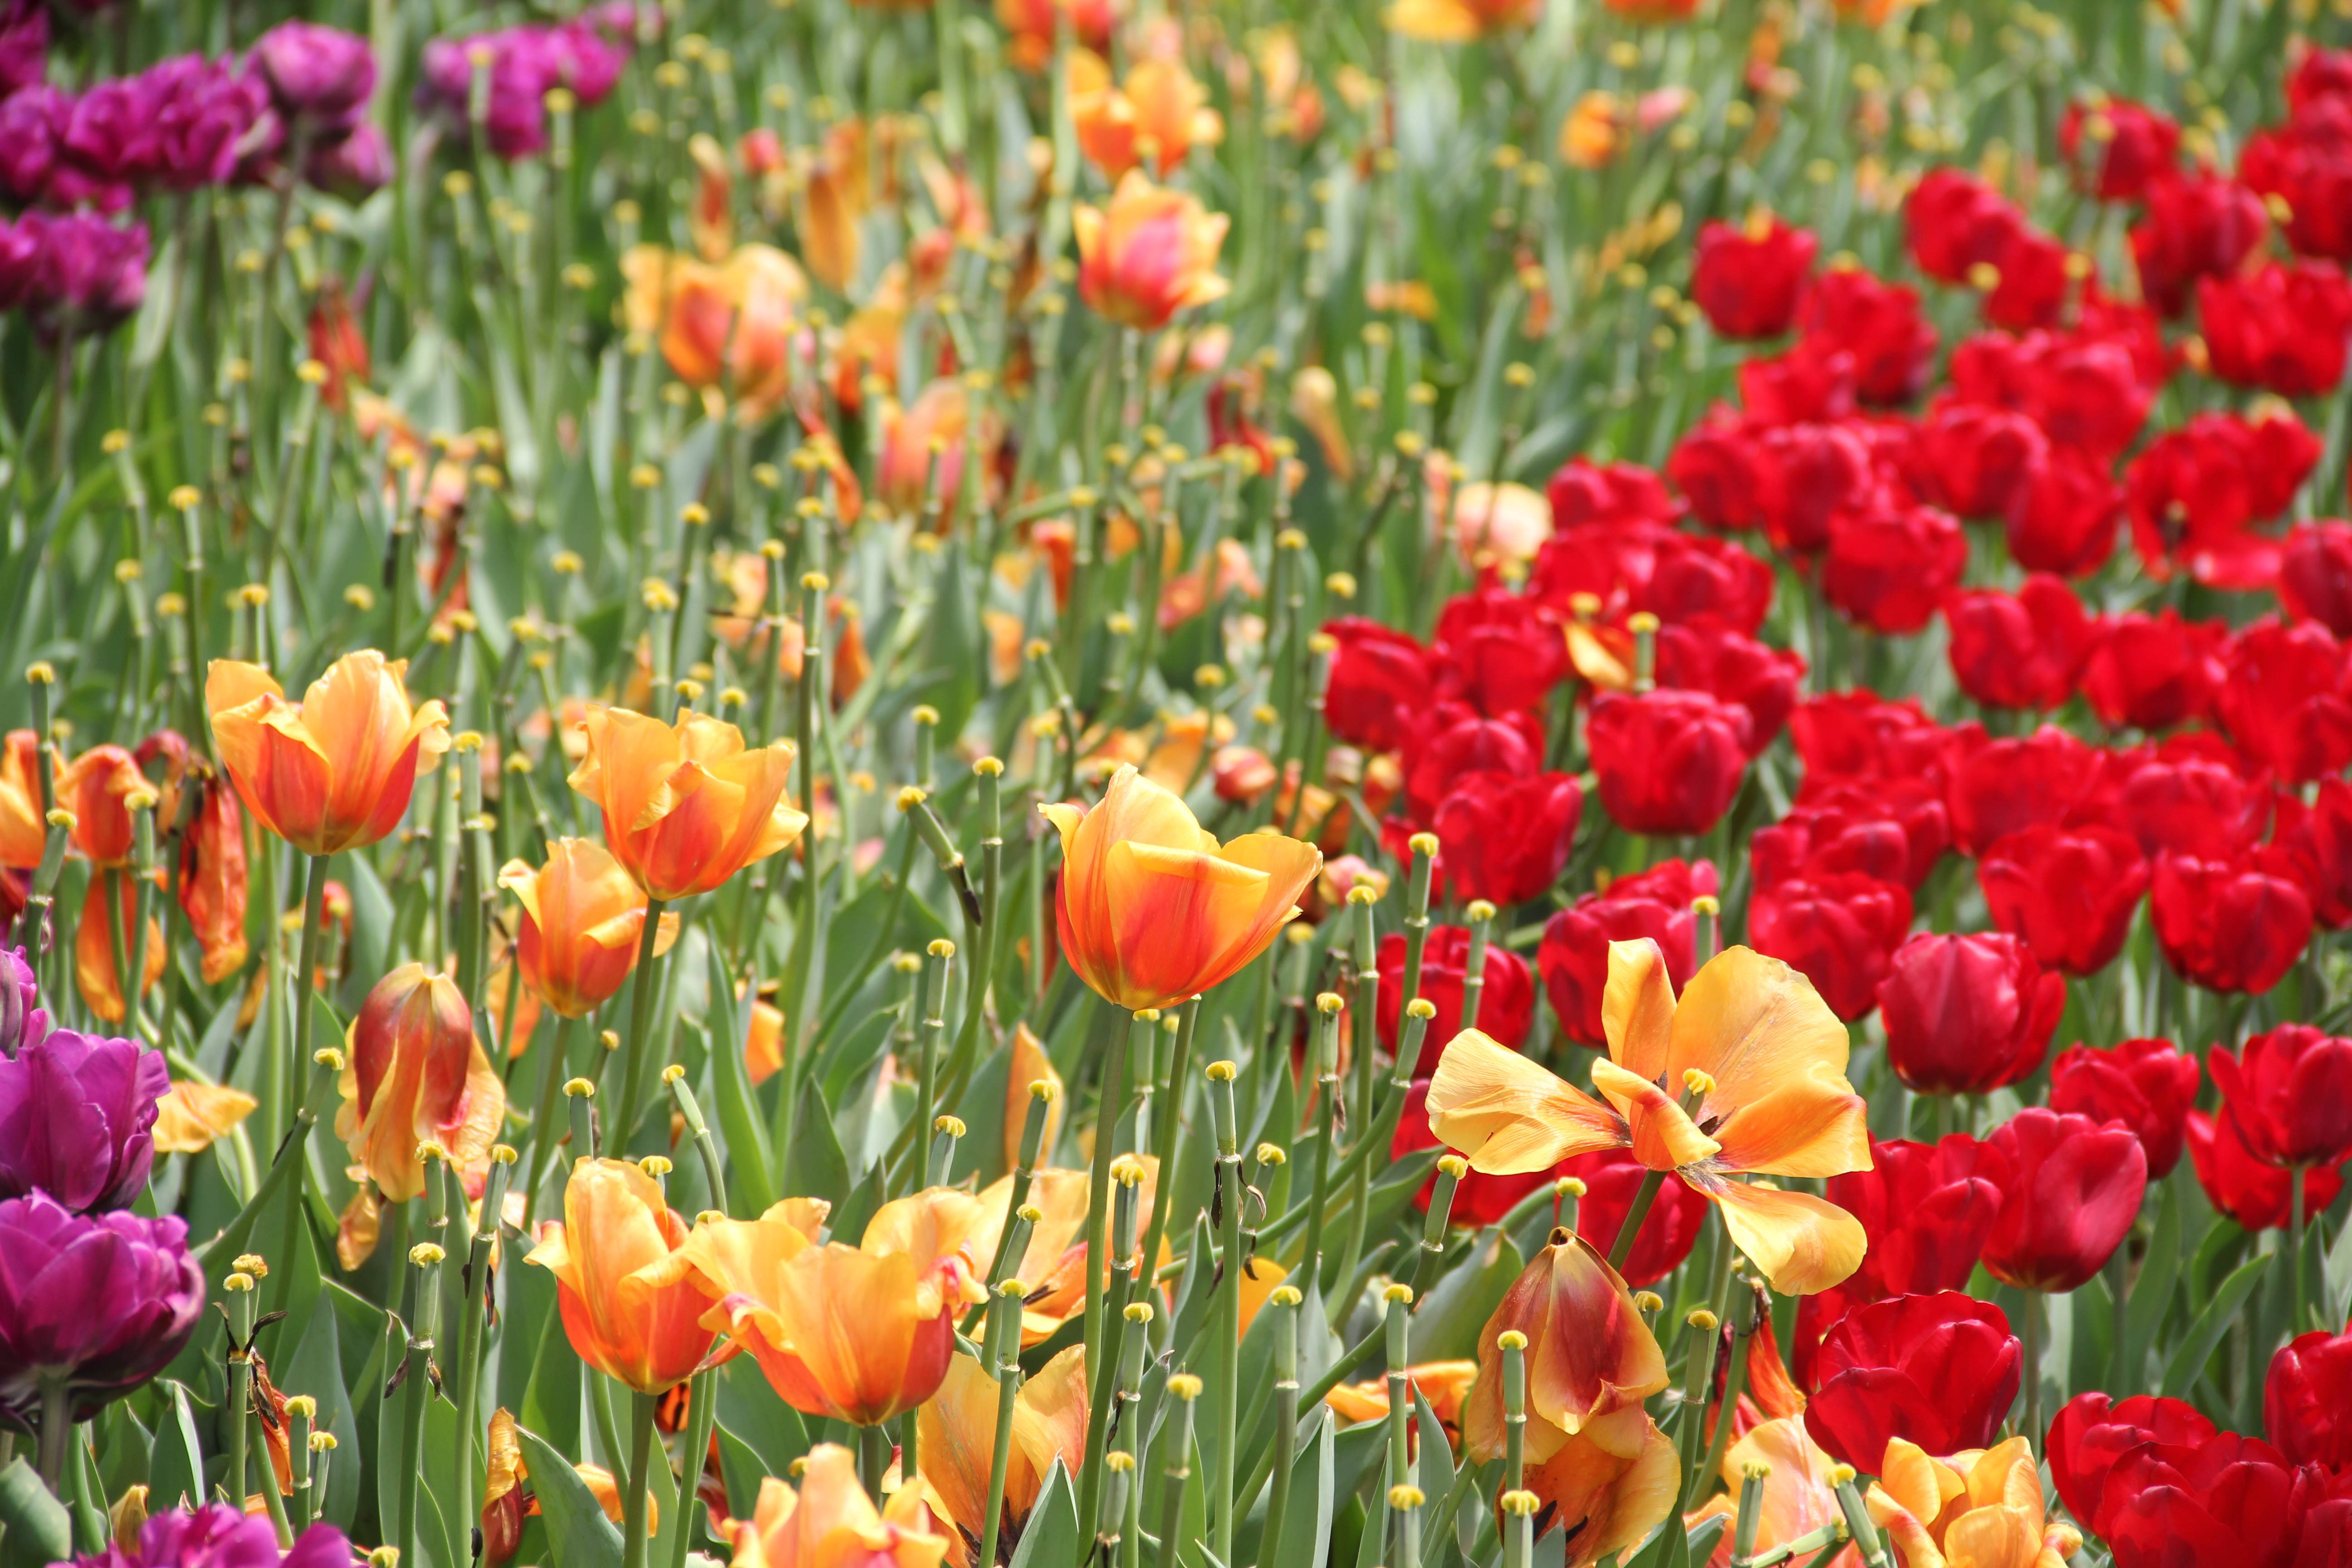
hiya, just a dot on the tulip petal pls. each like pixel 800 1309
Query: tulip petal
pixel 1807 1127
pixel 1754 1024
pixel 1509 1114
pixel 1664 1136
pixel 1801 1242
pixel 1637 1008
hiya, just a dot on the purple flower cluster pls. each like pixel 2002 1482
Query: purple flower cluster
pixel 219 1536
pixel 584 55
pixel 24 44
pixel 71 272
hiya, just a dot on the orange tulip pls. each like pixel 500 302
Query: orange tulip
pixel 1443 1383
pixel 1149 253
pixel 686 805
pixel 830 1523
pixel 96 787
pixel 859 1334
pixel 213 881
pixel 1759 1063
pixel 1983 1509
pixel 958 1428
pixel 1151 911
pixel 631 1309
pixel 834 193
pixel 1159 114
pixel 1592 1452
pixel 582 921
pixel 1459 21
pixel 1799 1498
pixel 942 416
pixel 1031 25
pixel 415 1074
pixel 95 974
pixel 1053 1264
pixel 1029 1064
pixel 334 771
pixel 728 324
pixel 23 834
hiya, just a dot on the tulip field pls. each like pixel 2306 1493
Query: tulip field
pixel 1111 784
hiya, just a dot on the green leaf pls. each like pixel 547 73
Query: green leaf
pixel 1434 1460
pixel 1446 1325
pixel 750 1161
pixel 817 1167
pixel 753 1414
pixel 316 1369
pixel 34 1529
pixel 2151 1291
pixel 1306 1526
pixel 1050 1538
pixel 2210 1324
pixel 176 1477
pixel 578 1528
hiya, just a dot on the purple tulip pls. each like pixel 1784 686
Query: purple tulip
pixel 95 1303
pixel 20 265
pixel 78 1119
pixel 219 1536
pixel 24 44
pixel 351 168
pixel 319 78
pixel 89 276
pixel 31 122
pixel 21 1017
pixel 524 63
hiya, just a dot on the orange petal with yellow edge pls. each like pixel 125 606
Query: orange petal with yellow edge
pixel 1509 1114
pixel 1662 1134
pixel 1801 1242
pixel 1637 1008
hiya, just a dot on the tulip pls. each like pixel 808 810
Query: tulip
pixel 1799 1499
pixel 1955 223
pixel 1574 954
pixel 2195 493
pixel 2228 926
pixel 2091 1433
pixel 1940 1371
pixel 2315 582
pixel 686 805
pixel 1612 1181
pixel 1458 21
pixel 22 1021
pixel 1501 650
pixel 1054 1262
pixel 1966 1015
pixel 1379 679
pixel 1591 1451
pixel 1983 1508
pixel 1453 739
pixel 319 78
pixel 733 324
pixel 77 1117
pixel 958 1429
pixel 1760 1060
pixel 2001 787
pixel 1856 735
pixel 1880 324
pixel 2259 1197
pixel 213 881
pixel 1750 280
pixel 1479 1199
pixel 1811 842
pixel 2152 672
pixel 1840 931
pixel 2063 517
pixel 1977 458
pixel 2019 652
pixel 1151 910
pixel 1582 490
pixel 2073 1189
pixel 911 473
pixel 1442 1385
pixel 2281 699
pixel 334 771
pixel 1147 252
pixel 417 1075
pixel 2150 1086
pixel 1679 577
pixel 2289 1093
pixel 1889 566
pixel 1505 1006
pixel 630 1306
pixel 830 1523
pixel 2307 1400
pixel 2226 1499
pixel 1496 525
pixel 1926 1209
pixel 2197 226
pixel 581 923
pixel 191 1117
pixel 1668 762
pixel 102 958
pixel 96 787
pixel 1511 836
pixel 1802 476
pixel 219 1535
pixel 90 1308
pixel 23 832
pixel 2069 891
pixel 2117 149
pixel 1736 670
pixel 2312 847
pixel 2282 329
pixel 2192 805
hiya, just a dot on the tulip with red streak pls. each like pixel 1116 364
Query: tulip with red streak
pixel 1507 837
pixel 1668 762
pixel 2116 148
pixel 1573 956
pixel 213 881
pixel 2070 892
pixel 1881 324
pixel 333 772
pixel 630 1309
pixel 1967 1015
pixel 1506 1005
pixel 2021 650
pixel 1889 564
pixel 1749 278
pixel 2282 700
pixel 583 919
pixel 97 787
pixel 2258 1195
pixel 1606 1473
pixel 1756 1063
pixel 1938 1370
pixel 2282 329
pixel 2073 1189
pixel 2315 578
pixel 417 1075
pixel 2092 1432
pixel 686 805
pixel 1147 252
pixel 1839 930
pixel 2228 925
pixel 2150 1086
pixel 2151 672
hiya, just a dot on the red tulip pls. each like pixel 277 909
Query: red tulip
pixel 2282 329
pixel 1966 1015
pixel 2257 1195
pixel 2073 1189
pixel 1734 670
pixel 2289 1091
pixel 2312 846
pixel 1812 383
pixel 1748 279
pixel 2179 800
pixel 1499 650
pixel 1667 762
pixel 2030 282
pixel 1612 1178
pixel 1955 221
pixel 1927 1209
pixel 1509 837
pixel 2307 1400
pixel 1859 735
pixel 2228 925
pixel 1814 842
pixel 2151 672
pixel 1798 478
pixel 2019 652
pixel 1840 931
pixel 1573 956
pixel 2302 163
pixel 1714 466
pixel 2281 699
pixel 2005 786
pixel 1380 680
pixel 1977 457
pixel 1880 323
pixel 1506 1005
pixel 1681 578
pixel 1451 739
pixel 2069 891
pixel 1938 1370
pixel 2226 1500
pixel 2091 1433
pixel 1582 490
pixel 2118 147
pixel 2315 579
pixel 2196 227
pixel 2147 1085
pixel 2062 519
pixel 2194 494
pixel 1890 565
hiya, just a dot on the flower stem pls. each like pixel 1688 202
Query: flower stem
pixel 641 1021
pixel 701 1415
pixel 872 1458
pixel 1643 1196
pixel 1005 1308
pixel 314 903
pixel 56 1427
pixel 633 1498
pixel 544 1133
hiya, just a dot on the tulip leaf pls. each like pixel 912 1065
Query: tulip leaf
pixel 580 1532
pixel 753 1414
pixel 1433 1456
pixel 1306 1526
pixel 817 1167
pixel 1050 1538
pixel 316 1369
pixel 35 1528
pixel 1446 1325
pixel 2210 1324
pixel 750 1161
pixel 2151 1291
pixel 176 1475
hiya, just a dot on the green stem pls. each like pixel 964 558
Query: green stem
pixel 544 1133
pixel 1643 1196
pixel 643 986
pixel 701 1415
pixel 314 904
pixel 56 1429
pixel 632 1497
pixel 872 1459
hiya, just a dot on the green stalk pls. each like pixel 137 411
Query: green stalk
pixel 1167 1138
pixel 1327 1095
pixel 416 1376
pixel 1114 1302
pixel 642 986
pixel 1183 1388
pixel 1228 1215
pixel 1042 1094
pixel 1107 1113
pixel 633 1496
pixel 1004 1322
pixel 1481 916
pixel 1514 1346
pixel 989 771
pixel 698 1132
pixel 1643 1196
pixel 1735 1379
pixel 1282 1444
pixel 544 1134
pixel 701 1415
pixel 471 1326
